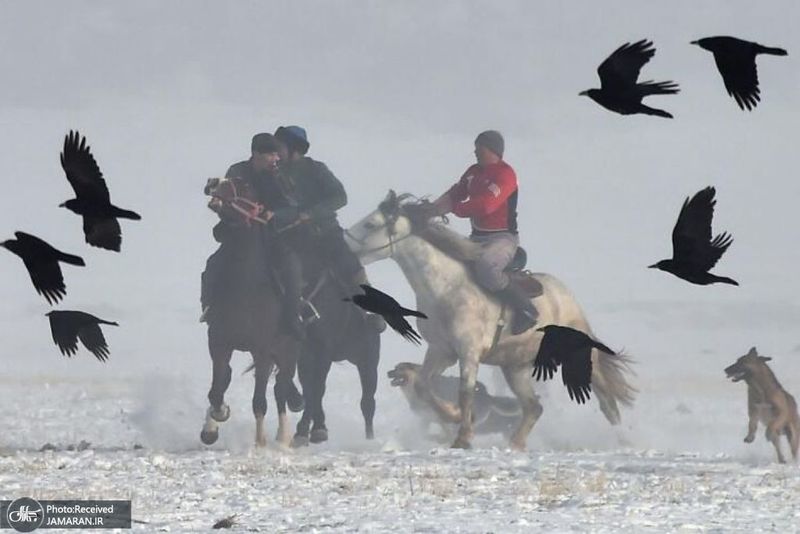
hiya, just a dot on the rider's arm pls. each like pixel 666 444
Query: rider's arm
pixel 490 199
pixel 333 195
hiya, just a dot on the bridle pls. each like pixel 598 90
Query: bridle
pixel 390 216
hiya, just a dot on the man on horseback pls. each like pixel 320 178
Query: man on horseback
pixel 319 195
pixel 487 194
pixel 274 203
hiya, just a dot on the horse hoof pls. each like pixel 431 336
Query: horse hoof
pixel 370 434
pixel 261 443
pixel 220 415
pixel 461 444
pixel 209 437
pixel 318 435
pixel 299 441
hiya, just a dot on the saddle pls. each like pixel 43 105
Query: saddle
pixel 521 276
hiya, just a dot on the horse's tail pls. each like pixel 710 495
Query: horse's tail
pixel 610 383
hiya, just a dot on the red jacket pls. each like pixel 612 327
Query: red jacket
pixel 488 196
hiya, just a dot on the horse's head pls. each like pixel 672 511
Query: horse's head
pixel 375 236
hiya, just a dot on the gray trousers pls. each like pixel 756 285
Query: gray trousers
pixel 497 251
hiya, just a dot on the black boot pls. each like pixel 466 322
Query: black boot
pixel 525 313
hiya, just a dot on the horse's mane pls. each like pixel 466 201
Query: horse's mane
pixel 434 230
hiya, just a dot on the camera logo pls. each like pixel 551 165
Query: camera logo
pixel 25 514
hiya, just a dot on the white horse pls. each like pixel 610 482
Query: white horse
pixel 463 318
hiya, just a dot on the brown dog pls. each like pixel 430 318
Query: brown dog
pixel 491 414
pixel 767 402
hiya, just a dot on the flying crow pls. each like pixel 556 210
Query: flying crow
pixel 69 326
pixel 92 200
pixel 41 261
pixel 619 90
pixel 694 253
pixel 736 61
pixel 572 349
pixel 378 302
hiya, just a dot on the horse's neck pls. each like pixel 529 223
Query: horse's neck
pixel 430 272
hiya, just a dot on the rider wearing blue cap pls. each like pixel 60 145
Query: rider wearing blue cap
pixel 319 195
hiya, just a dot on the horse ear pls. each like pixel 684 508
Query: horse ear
pixel 753 352
pixel 391 197
pixel 764 358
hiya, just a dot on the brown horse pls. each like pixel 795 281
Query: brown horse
pixel 246 314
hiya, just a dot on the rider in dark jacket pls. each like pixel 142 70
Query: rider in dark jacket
pixel 320 194
pixel 273 191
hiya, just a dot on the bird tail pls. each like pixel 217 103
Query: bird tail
pixel 406 311
pixel 72 260
pixel 726 280
pixel 653 111
pixel 772 51
pixel 657 88
pixel 127 214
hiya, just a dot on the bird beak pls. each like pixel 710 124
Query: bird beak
pixel 583 93
pixel 654 266
pixel 540 329
pixel 347 299
pixel 62 205
pixel 695 43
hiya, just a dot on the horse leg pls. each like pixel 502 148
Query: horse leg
pixel 218 411
pixel 368 373
pixel 284 391
pixel 319 432
pixel 263 368
pixel 519 380
pixel 466 395
pixel 305 371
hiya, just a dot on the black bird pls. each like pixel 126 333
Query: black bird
pixel 572 349
pixel 376 301
pixel 92 200
pixel 694 253
pixel 69 326
pixel 619 90
pixel 41 261
pixel 736 61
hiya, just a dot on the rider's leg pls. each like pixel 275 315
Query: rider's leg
pixel 497 252
pixel 291 272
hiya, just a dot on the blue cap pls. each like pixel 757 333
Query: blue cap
pixel 294 137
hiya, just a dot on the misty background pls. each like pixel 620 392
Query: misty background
pixel 392 95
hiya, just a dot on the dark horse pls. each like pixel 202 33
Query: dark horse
pixel 246 315
pixel 336 331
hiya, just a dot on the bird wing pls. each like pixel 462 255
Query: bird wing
pixel 621 68
pixel 64 331
pixel 103 233
pixel 576 372
pixel 546 362
pixel 691 237
pixel 379 296
pixel 47 278
pixel 82 171
pixel 92 337
pixel 739 73
pixel 402 327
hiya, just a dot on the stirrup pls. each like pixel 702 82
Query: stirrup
pixel 308 318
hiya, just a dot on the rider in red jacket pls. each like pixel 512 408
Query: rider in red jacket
pixel 487 195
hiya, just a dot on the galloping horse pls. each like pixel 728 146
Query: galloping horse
pixel 246 314
pixel 463 324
